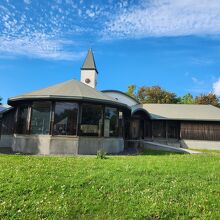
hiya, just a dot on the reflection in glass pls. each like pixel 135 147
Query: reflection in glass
pixel 40 118
pixel 65 121
pixel 91 121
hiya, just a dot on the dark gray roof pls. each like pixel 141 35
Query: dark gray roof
pixel 123 93
pixel 89 63
pixel 4 108
pixel 68 90
pixel 183 112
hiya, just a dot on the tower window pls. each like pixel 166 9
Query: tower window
pixel 87 81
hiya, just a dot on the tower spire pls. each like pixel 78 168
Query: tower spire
pixel 89 63
pixel 89 72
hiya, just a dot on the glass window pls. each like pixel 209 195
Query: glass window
pixel 22 118
pixel 121 124
pixel 40 118
pixel 65 120
pixel 0 128
pixel 91 121
pixel 159 129
pixel 111 122
pixel 8 122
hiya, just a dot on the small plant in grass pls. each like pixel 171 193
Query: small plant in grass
pixel 101 154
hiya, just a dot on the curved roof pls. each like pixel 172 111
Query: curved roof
pixel 4 108
pixel 123 93
pixel 184 112
pixel 68 90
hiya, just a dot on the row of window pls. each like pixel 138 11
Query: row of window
pixel 38 119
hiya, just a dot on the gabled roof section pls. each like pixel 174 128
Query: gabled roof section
pixel 89 63
pixel 68 90
pixel 182 112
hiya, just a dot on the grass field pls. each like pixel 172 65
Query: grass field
pixel 120 187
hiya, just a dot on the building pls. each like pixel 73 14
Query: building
pixel 74 118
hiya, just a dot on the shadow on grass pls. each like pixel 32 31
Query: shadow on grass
pixel 158 152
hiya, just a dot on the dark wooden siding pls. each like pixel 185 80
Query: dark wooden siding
pixel 0 126
pixel 8 123
pixel 200 130
pixel 166 129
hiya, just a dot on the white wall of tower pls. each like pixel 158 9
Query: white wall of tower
pixel 89 77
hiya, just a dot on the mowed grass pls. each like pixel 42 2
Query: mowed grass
pixel 120 187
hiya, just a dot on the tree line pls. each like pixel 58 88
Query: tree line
pixel 156 94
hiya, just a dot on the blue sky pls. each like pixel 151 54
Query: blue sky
pixel 174 44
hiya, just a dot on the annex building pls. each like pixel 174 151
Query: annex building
pixel 73 117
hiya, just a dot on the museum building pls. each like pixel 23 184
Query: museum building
pixel 74 118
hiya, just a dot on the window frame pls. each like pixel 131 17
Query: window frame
pixel 53 118
pixel 31 115
pixel 81 115
pixel 26 120
pixel 117 129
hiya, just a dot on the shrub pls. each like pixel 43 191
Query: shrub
pixel 101 154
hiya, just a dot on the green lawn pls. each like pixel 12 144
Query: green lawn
pixel 206 150
pixel 120 187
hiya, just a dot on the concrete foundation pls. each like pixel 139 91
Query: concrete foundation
pixel 199 144
pixel 6 141
pixel 90 145
pixel 155 144
pixel 47 144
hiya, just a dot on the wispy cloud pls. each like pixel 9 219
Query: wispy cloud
pixel 202 61
pixel 38 46
pixel 42 29
pixel 216 87
pixel 196 81
pixel 27 2
pixel 166 18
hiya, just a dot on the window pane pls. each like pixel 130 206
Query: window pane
pixel 8 122
pixel 111 122
pixel 21 127
pixel 65 121
pixel 40 118
pixel 159 129
pixel 91 121
pixel 121 124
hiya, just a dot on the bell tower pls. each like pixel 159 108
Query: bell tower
pixel 89 73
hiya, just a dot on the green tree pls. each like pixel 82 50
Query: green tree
pixel 187 99
pixel 0 100
pixel 156 94
pixel 207 99
pixel 132 91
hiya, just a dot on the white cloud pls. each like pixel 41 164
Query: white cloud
pixel 38 46
pixel 42 29
pixel 216 87
pixel 27 2
pixel 37 34
pixel 166 18
pixel 202 61
pixel 197 81
pixel 200 86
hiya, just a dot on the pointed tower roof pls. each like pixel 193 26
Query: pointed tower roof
pixel 89 63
